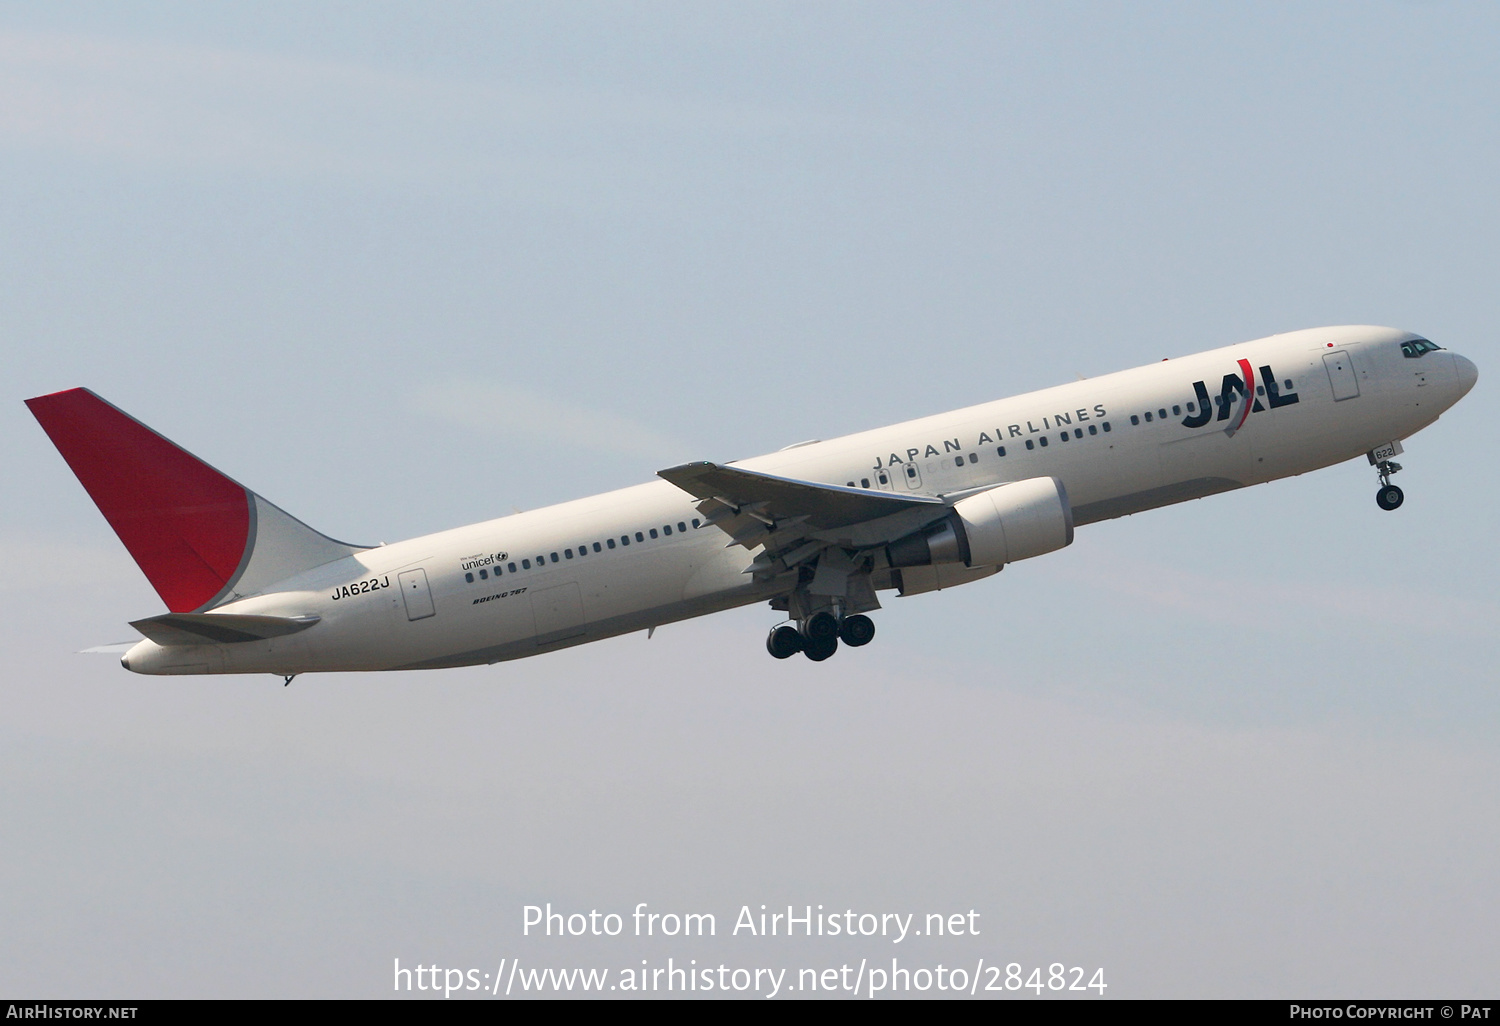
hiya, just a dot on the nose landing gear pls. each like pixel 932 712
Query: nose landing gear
pixel 1389 496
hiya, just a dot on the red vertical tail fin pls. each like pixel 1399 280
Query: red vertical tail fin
pixel 200 538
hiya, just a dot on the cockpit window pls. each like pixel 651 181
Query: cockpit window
pixel 1418 347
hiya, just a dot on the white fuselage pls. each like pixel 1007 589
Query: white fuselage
pixel 622 561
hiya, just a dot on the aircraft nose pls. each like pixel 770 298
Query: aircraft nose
pixel 1467 373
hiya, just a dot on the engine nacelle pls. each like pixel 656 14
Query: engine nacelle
pixel 999 525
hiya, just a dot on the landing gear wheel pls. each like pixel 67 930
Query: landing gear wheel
pixel 857 630
pixel 818 649
pixel 784 642
pixel 1389 497
pixel 820 627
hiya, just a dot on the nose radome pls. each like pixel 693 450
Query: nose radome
pixel 1467 373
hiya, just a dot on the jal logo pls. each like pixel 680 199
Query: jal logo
pixel 1237 399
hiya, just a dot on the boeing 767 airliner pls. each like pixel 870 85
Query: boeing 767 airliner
pixel 817 530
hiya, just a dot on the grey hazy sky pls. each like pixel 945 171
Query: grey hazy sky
pixel 403 267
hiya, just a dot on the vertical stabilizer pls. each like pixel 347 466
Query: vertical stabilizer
pixel 200 538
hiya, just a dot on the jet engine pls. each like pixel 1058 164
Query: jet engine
pixel 997 526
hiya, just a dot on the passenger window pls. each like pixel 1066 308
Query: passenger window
pixel 624 539
pixel 610 542
pixel 1134 419
pixel 884 479
pixel 1000 451
pixel 848 484
pixel 511 567
pixel 1063 436
pixel 469 578
pixel 1287 384
pixel 1078 432
pixel 1162 414
pixel 653 533
pixel 1029 445
pixel 973 457
pixel 864 482
pixel 596 546
pixel 958 461
pixel 667 530
pixel 1106 426
pixel 1177 411
pixel 696 521
pixel 681 527
pixel 641 537
pixel 1043 440
pixel 554 557
pixel 568 553
pixel 911 471
pixel 1260 389
pixel 1093 430
pixel 484 575
pixel 1191 407
pixel 1148 417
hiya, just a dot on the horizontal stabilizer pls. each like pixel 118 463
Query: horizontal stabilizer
pixel 116 648
pixel 218 628
pixel 825 507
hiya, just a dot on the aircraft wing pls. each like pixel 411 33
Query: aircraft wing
pixel 823 506
pixel 795 520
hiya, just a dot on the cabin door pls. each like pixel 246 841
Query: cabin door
pixel 417 595
pixel 1341 375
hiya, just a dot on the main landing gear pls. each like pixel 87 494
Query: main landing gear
pixel 819 636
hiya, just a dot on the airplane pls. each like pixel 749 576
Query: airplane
pixel 817 530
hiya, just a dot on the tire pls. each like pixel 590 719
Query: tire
pixel 783 642
pixel 818 649
pixel 857 630
pixel 821 626
pixel 1389 497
